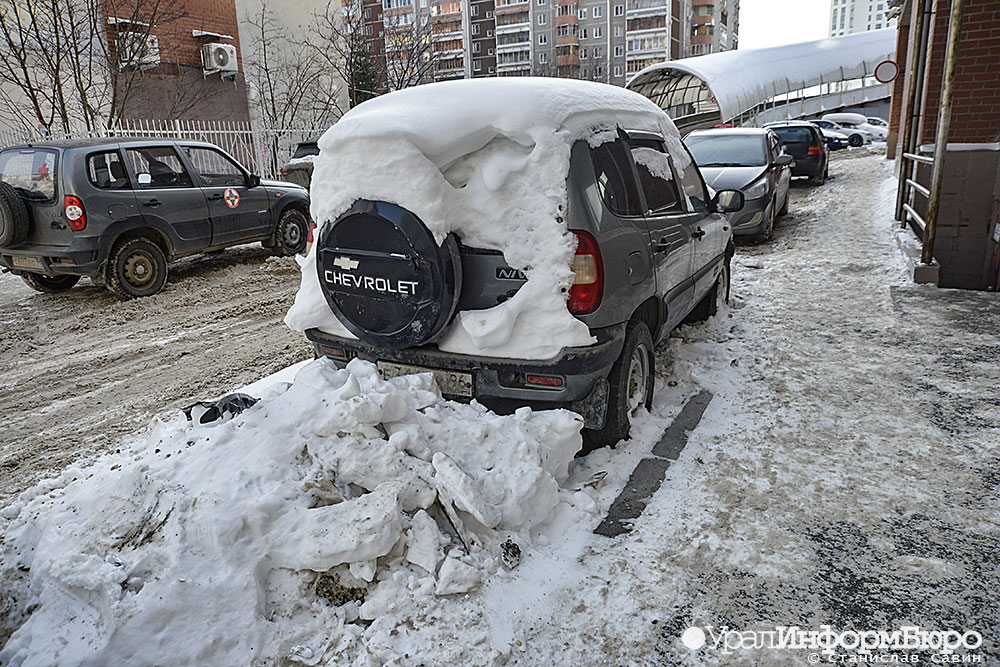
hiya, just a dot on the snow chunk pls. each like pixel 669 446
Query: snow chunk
pixel 474 163
pixel 456 577
pixel 424 542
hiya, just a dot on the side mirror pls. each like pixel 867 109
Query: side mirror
pixel 144 179
pixel 253 180
pixel 728 201
pixel 784 160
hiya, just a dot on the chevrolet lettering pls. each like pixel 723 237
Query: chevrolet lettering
pixel 383 285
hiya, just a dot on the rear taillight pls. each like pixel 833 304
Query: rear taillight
pixel 75 215
pixel 588 284
pixel 312 228
pixel 815 150
pixel 553 381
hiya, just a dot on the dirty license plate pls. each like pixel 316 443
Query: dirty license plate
pixel 450 382
pixel 26 262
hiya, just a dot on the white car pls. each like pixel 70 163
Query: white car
pixel 858 122
pixel 878 122
pixel 855 136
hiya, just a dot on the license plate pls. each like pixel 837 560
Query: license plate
pixel 26 262
pixel 450 382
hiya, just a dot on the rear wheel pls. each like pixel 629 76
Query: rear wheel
pixel 291 233
pixel 855 140
pixel 631 388
pixel 137 268
pixel 49 284
pixel 819 179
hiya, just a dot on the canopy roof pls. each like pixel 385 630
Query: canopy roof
pixel 740 80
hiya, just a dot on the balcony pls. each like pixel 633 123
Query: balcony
pixel 568 40
pixel 704 3
pixel 569 19
pixel 567 61
pixel 703 20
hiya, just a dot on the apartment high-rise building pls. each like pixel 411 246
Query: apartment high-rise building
pixel 595 40
pixel 850 16
pixel 714 26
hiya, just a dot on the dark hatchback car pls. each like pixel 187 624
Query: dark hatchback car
pixel 804 142
pixel 299 168
pixel 118 210
pixel 750 160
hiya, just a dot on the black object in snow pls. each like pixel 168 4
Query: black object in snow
pixel 227 407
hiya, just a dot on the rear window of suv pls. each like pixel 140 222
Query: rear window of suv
pixel 794 135
pixel 31 171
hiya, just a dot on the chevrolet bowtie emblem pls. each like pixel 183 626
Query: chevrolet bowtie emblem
pixel 346 263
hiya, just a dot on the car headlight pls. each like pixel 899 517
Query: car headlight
pixel 756 190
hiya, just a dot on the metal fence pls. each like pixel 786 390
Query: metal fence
pixel 262 150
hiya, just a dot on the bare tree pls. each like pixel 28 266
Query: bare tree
pixel 344 45
pixel 409 51
pixel 291 85
pixel 74 62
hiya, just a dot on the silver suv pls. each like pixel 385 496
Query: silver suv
pixel 653 249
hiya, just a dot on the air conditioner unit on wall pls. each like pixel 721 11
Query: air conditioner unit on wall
pixel 137 50
pixel 219 58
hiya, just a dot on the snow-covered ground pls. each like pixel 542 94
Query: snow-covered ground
pixel 845 473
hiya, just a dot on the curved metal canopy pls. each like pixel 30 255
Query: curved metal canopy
pixel 739 81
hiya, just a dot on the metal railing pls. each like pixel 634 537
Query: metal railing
pixel 261 150
pixel 909 186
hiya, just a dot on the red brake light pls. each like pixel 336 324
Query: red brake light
pixel 588 286
pixel 544 380
pixel 75 215
pixel 312 228
pixel 815 150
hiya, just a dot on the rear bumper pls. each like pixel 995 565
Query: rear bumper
pixel 808 166
pixel 82 258
pixel 500 383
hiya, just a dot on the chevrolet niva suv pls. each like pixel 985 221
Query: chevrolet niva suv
pixel 653 249
pixel 118 210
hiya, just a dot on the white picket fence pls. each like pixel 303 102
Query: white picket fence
pixel 262 150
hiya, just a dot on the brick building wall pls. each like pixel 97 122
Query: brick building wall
pixel 178 88
pixel 974 116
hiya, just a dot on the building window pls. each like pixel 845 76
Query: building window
pixel 598 12
pixel 598 32
pixel 619 51
pixel 583 54
pixel 583 33
pixel 618 31
pixel 618 70
pixel 543 58
pixel 478 66
pixel 489 33
pixel 619 10
pixel 476 47
pixel 490 53
pixel 474 11
pixel 489 14
pixel 582 13
pixel 475 28
pixel 543 38
pixel 598 53
pixel 491 70
pixel 542 19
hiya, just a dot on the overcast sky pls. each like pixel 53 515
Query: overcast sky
pixel 775 22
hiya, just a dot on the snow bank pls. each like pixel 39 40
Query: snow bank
pixel 215 544
pixel 488 161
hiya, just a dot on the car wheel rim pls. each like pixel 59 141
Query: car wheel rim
pixel 638 373
pixel 292 234
pixel 140 269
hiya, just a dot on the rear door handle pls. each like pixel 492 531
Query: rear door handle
pixel 152 203
pixel 663 245
pixel 216 197
pixel 698 234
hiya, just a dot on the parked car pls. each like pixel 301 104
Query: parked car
pixel 299 167
pixel 653 248
pixel 858 121
pixel 804 142
pixel 878 122
pixel 750 160
pixel 118 210
pixel 855 136
pixel 835 141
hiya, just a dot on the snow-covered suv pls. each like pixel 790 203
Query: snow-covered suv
pixel 118 210
pixel 528 241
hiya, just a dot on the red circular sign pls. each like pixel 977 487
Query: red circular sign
pixel 886 71
pixel 231 197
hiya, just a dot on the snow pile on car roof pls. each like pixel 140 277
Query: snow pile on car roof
pixel 488 161
pixel 328 523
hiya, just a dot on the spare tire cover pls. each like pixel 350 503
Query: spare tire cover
pixel 386 278
pixel 13 217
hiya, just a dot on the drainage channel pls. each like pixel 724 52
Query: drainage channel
pixel 649 474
